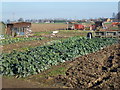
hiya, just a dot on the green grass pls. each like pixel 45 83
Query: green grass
pixel 41 33
pixel 75 31
pixel 64 33
pixel 58 71
pixel 108 23
pixel 53 71
pixel 61 32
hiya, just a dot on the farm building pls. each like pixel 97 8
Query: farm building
pixel 18 28
pixel 2 28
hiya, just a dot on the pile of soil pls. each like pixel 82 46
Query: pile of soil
pixel 96 70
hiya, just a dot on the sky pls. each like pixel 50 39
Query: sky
pixel 69 10
pixel 59 0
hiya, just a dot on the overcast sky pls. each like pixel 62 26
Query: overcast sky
pixel 69 10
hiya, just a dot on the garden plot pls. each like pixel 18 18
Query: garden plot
pixel 38 59
pixel 72 74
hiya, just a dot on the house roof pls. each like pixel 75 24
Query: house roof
pixel 19 24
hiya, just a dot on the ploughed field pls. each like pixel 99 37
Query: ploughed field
pixel 96 70
pixel 56 26
pixel 48 27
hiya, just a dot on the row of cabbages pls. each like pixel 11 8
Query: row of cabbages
pixel 40 58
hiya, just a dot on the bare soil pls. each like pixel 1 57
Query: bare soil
pixel 47 27
pixel 96 70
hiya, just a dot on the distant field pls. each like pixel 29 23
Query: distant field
pixel 47 27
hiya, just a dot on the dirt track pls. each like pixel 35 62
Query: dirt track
pixel 99 69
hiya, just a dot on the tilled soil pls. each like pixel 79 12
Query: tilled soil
pixel 96 70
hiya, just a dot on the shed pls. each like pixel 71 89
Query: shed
pixel 18 28
pixel 2 28
pixel 79 26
